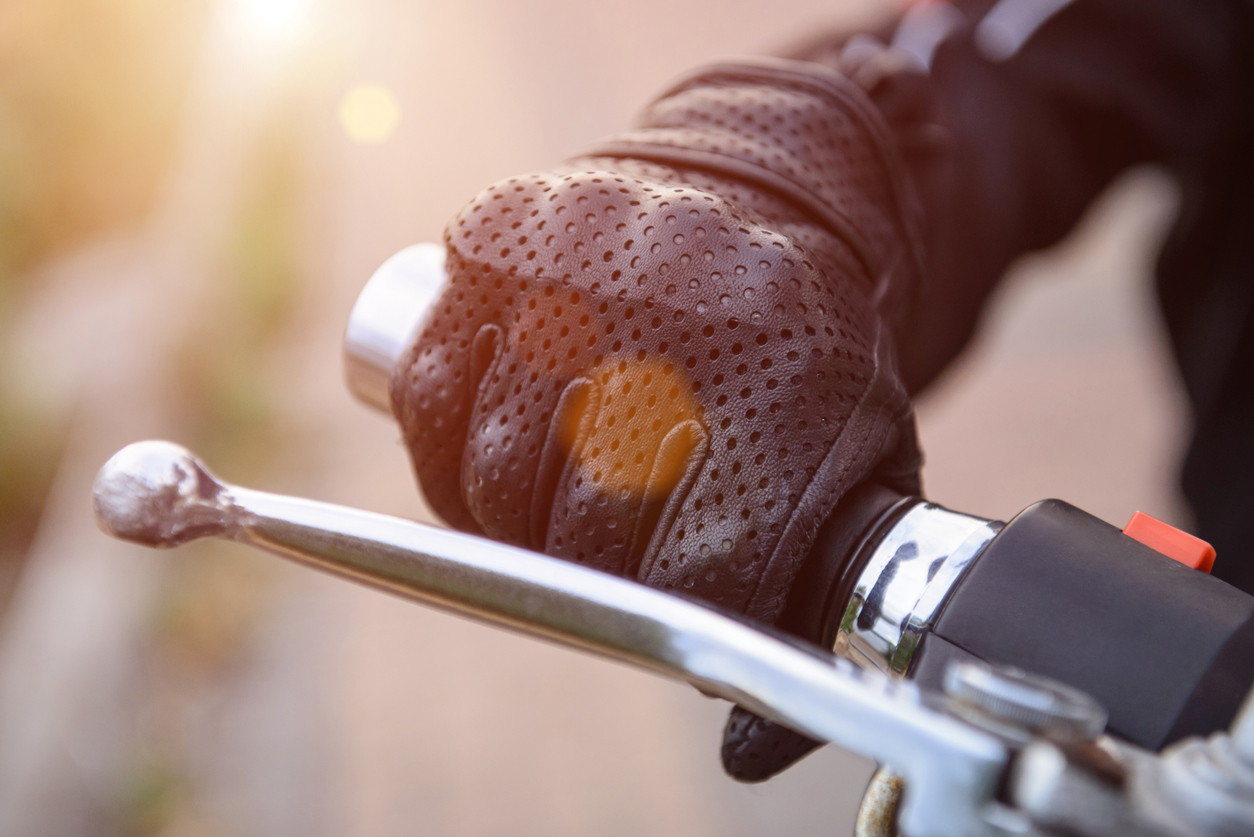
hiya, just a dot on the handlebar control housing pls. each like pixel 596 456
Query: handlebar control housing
pixel 1168 650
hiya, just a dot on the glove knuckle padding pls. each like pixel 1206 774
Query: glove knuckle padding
pixel 805 133
pixel 667 361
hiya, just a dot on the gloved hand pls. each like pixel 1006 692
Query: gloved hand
pixel 671 358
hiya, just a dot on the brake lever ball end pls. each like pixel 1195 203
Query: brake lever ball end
pixel 158 494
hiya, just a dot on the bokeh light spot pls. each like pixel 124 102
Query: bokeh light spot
pixel 273 22
pixel 369 114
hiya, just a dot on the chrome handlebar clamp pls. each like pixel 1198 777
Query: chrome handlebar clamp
pixel 910 573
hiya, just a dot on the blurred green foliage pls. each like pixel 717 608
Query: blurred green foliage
pixel 228 410
pixel 154 797
pixel 214 594
pixel 90 99
pixel 226 404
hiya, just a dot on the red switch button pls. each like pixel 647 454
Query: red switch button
pixel 1170 541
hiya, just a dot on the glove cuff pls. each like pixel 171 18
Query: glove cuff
pixel 807 134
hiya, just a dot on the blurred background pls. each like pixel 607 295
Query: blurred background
pixel 192 192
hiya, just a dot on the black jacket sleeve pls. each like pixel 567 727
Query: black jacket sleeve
pixel 1014 115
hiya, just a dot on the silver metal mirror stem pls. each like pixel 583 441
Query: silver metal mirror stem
pixel 385 318
pixel 158 494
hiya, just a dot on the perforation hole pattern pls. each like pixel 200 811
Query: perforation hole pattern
pixel 816 131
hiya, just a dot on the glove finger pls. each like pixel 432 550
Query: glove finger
pixel 435 381
pixel 531 412
pixel 641 452
pixel 755 749
pixel 501 345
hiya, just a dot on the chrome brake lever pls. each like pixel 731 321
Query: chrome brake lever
pixel 159 495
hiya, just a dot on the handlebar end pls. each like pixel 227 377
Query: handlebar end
pixel 385 317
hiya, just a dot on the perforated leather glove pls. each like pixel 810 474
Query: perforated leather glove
pixel 669 359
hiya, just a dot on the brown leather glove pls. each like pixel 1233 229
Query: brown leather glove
pixel 669 359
